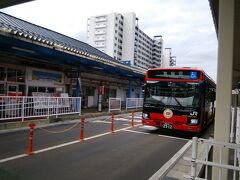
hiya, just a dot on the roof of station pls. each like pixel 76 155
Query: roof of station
pixel 30 38
pixel 7 3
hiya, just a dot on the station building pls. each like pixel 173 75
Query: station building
pixel 34 59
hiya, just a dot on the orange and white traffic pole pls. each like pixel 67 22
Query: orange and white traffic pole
pixel 30 142
pixel 112 124
pixel 132 119
pixel 82 129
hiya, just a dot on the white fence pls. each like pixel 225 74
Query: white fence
pixel 195 160
pixel 235 126
pixel 114 104
pixel 29 107
pixel 134 103
pixel 233 148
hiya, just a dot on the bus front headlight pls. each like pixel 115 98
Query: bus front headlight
pixel 145 115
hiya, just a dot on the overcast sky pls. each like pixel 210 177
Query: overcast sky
pixel 186 25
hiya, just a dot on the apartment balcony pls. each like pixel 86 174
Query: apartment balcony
pixel 100 26
pixel 99 39
pixel 102 19
pixel 99 32
pixel 100 46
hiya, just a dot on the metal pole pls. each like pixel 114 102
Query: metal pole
pixel 238 132
pixel 57 108
pixel 112 124
pixel 232 126
pixel 120 104
pixel 194 157
pixel 132 119
pixel 30 142
pixel 80 106
pixel 82 130
pixel 23 108
pixel 48 106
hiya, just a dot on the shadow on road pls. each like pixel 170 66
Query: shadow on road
pixel 206 133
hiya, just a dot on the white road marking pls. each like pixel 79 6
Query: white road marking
pixel 121 119
pixel 12 158
pixel 165 136
pixel 62 145
pixel 99 121
pixel 139 132
pixel 149 127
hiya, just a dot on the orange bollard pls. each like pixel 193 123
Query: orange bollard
pixel 30 142
pixel 112 124
pixel 132 119
pixel 82 129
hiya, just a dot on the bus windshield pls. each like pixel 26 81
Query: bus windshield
pixel 182 94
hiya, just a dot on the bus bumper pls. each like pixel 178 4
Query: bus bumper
pixel 175 126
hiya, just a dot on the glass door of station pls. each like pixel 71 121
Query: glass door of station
pixel 15 90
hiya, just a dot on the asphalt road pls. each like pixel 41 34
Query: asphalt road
pixel 130 153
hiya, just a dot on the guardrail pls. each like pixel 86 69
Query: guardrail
pixel 30 107
pixel 132 103
pixel 114 104
pixel 195 160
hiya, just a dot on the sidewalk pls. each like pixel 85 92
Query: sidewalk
pixel 176 168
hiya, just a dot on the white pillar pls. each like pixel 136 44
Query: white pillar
pixel 224 80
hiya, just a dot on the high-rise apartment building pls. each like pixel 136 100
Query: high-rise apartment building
pixel 168 59
pixel 120 37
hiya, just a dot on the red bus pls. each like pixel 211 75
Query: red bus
pixel 179 99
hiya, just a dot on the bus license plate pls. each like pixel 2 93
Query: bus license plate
pixel 167 126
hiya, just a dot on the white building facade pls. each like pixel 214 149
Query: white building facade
pixel 168 59
pixel 120 37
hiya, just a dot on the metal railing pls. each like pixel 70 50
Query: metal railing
pixel 134 103
pixel 114 104
pixel 30 107
pixel 233 166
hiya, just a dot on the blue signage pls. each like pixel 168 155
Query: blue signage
pixel 42 75
pixel 193 75
pixel 127 62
